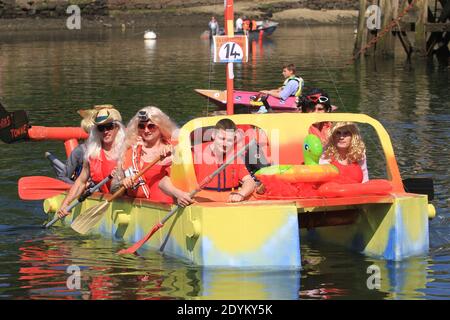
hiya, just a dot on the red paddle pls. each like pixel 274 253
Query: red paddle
pixel 40 187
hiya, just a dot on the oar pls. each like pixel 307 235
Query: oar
pixel 40 187
pixel 87 220
pixel 83 197
pixel 205 181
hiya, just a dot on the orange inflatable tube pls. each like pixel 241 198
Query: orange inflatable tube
pixel 371 187
pixel 56 133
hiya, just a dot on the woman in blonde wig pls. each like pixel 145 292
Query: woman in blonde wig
pixel 148 136
pixel 346 150
pixel 106 135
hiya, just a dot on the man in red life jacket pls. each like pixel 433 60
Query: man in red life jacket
pixel 211 155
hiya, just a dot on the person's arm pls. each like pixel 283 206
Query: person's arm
pixel 75 191
pixel 365 171
pixel 116 182
pixel 289 90
pixel 247 188
pixel 274 93
pixel 183 198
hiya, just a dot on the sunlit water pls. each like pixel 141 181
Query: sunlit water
pixel 52 74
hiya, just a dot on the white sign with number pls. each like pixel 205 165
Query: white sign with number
pixel 230 49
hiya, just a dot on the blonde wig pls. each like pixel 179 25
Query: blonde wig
pixel 357 149
pixel 94 142
pixel 156 116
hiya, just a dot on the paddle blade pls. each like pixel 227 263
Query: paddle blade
pixel 88 219
pixel 135 247
pixel 40 187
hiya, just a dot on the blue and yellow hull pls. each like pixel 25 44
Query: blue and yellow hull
pixel 267 233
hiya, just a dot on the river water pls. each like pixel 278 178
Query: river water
pixel 51 74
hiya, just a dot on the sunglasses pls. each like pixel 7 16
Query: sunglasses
pixel 149 126
pixel 345 133
pixel 318 98
pixel 106 127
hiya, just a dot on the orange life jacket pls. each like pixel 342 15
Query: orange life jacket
pixel 148 184
pixel 227 179
pixel 100 168
pixel 254 25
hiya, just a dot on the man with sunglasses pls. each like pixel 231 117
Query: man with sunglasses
pixel 102 151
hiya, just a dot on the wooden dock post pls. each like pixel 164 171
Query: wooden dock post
pixel 421 9
pixel 386 45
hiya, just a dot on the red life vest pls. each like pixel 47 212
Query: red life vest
pixel 350 173
pixel 227 179
pixel 100 168
pixel 149 188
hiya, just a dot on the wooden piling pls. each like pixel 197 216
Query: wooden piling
pixel 421 9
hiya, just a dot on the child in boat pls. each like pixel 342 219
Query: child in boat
pixel 102 151
pixel 346 150
pixel 148 137
pixel 292 86
pixel 317 100
pixel 211 155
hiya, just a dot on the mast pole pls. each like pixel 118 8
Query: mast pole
pixel 229 30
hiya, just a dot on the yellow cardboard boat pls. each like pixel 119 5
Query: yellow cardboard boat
pixel 258 233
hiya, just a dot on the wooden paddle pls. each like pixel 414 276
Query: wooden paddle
pixel 83 197
pixel 87 220
pixel 205 181
pixel 40 187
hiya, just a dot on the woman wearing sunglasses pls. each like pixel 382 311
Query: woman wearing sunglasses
pixel 346 150
pixel 102 150
pixel 317 100
pixel 148 136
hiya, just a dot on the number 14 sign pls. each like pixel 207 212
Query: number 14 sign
pixel 230 49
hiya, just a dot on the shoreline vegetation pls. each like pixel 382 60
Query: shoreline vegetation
pixel 178 14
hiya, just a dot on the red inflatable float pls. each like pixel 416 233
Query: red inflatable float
pixel 374 187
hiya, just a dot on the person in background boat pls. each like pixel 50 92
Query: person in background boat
pixel 102 152
pixel 148 137
pixel 317 100
pixel 346 150
pixel 69 171
pixel 213 27
pixel 246 25
pixel 253 25
pixel 211 155
pixel 239 24
pixel 292 86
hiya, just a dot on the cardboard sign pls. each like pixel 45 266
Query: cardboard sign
pixel 230 49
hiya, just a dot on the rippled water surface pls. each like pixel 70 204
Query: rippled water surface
pixel 53 74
